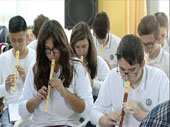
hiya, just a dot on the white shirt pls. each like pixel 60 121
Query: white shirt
pixel 152 90
pixel 33 44
pixel 109 50
pixel 59 112
pixel 7 63
pixel 102 71
pixel 166 45
pixel 161 61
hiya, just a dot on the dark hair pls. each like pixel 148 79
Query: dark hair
pixel 131 49
pixel 38 22
pixel 52 29
pixel 82 31
pixel 149 25
pixel 101 24
pixel 17 24
pixel 162 19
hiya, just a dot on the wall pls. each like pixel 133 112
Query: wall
pixel 116 12
pixel 152 6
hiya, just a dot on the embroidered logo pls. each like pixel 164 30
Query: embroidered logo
pixel 111 56
pixel 148 102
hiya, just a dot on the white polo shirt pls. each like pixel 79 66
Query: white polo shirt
pixel 102 72
pixel 33 44
pixel 59 111
pixel 7 64
pixel 166 45
pixel 161 61
pixel 152 90
pixel 109 50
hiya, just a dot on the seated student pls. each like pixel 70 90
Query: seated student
pixel 71 92
pixel 18 39
pixel 163 22
pixel 158 117
pixel 148 87
pixel 82 44
pixel 38 22
pixel 3 48
pixel 149 32
pixel 31 36
pixel 102 35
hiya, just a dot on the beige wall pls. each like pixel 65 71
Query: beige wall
pixel 116 12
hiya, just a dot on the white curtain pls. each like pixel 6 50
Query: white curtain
pixel 158 6
pixel 30 9
pixel 8 9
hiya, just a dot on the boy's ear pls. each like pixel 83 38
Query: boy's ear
pixel 159 40
pixel 143 63
pixel 27 37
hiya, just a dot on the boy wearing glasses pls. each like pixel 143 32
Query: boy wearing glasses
pixel 146 91
pixel 149 32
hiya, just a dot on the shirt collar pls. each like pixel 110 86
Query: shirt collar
pixel 158 58
pixel 56 75
pixel 107 45
pixel 109 42
pixel 143 82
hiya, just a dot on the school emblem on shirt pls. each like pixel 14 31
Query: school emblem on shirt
pixel 111 56
pixel 148 102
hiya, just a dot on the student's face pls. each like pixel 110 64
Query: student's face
pixel 149 43
pixel 101 41
pixel 82 47
pixel 129 72
pixel 163 33
pixel 51 51
pixel 31 36
pixel 18 40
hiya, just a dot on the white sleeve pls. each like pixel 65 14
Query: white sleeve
pixel 27 94
pixel 103 103
pixel 33 45
pixel 3 91
pixel 83 88
pixel 102 72
pixel 167 66
pixel 164 94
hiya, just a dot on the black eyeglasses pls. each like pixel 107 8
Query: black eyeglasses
pixel 48 50
pixel 149 45
pixel 130 74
